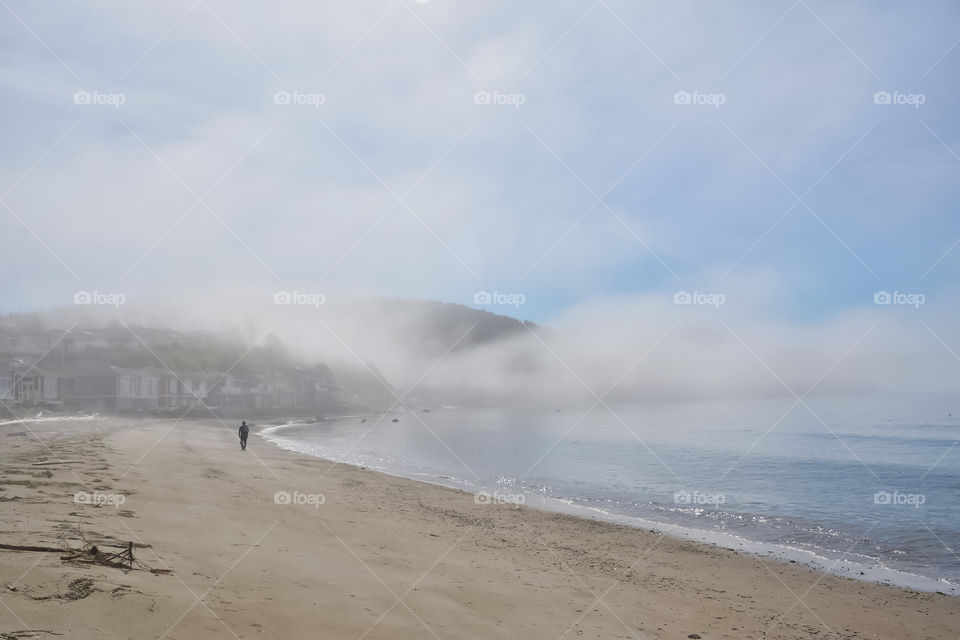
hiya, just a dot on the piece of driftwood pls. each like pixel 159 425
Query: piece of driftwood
pixel 27 547
pixel 92 554
pixel 123 559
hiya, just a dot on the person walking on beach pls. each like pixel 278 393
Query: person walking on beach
pixel 244 432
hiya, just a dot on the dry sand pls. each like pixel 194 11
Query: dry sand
pixel 382 557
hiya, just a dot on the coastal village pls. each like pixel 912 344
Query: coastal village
pixel 116 370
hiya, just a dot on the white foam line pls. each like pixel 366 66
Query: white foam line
pixel 841 567
pixel 54 419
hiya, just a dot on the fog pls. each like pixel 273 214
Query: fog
pixel 587 163
pixel 615 350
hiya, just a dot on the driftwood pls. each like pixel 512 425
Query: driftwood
pixel 91 554
pixel 123 559
pixel 25 547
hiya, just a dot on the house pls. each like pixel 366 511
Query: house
pixel 7 367
pixel 233 391
pixel 120 339
pixel 33 344
pixel 137 388
pixel 83 341
pixel 275 391
pixel 8 341
pixel 112 389
pixel 312 387
pixel 35 387
pixel 185 392
pixel 155 337
pixel 6 388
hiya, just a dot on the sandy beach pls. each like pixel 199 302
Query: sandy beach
pixel 270 544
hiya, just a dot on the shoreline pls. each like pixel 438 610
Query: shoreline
pixel 861 571
pixel 378 556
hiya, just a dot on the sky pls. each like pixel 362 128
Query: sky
pixel 783 162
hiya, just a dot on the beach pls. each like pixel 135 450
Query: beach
pixel 272 544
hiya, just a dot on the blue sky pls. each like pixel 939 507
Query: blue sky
pixel 799 196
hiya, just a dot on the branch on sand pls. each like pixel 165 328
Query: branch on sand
pixel 123 559
pixel 24 547
pixel 92 554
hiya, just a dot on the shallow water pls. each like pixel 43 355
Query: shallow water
pixel 863 487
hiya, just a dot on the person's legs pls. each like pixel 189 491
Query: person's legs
pixel 243 443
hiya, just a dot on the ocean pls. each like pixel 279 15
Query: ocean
pixel 861 487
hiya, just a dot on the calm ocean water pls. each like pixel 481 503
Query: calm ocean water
pixel 864 487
